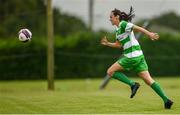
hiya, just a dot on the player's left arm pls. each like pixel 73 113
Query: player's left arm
pixel 152 35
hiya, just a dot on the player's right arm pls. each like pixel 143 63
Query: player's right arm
pixel 105 42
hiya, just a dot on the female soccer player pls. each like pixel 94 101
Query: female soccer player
pixel 133 58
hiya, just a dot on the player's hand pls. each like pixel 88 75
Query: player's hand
pixel 154 36
pixel 104 41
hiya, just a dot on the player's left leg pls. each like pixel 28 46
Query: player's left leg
pixel 115 71
pixel 156 87
pixel 122 77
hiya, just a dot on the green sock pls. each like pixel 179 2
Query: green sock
pixel 121 77
pixel 156 87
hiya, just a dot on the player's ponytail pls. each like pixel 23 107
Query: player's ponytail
pixel 131 14
pixel 123 15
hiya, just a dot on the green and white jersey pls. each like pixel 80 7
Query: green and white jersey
pixel 125 35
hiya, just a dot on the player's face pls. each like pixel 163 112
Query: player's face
pixel 113 19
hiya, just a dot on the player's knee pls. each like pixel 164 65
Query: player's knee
pixel 110 72
pixel 149 82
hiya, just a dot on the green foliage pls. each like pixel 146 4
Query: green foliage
pixel 17 14
pixel 31 14
pixel 80 55
pixel 65 24
pixel 78 52
pixel 169 20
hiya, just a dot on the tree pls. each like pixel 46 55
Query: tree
pixel 31 14
pixel 170 20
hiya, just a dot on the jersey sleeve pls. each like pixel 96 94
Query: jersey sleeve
pixel 127 26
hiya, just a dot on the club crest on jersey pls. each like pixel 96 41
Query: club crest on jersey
pixel 122 36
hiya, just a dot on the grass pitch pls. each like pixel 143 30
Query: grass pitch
pixel 84 97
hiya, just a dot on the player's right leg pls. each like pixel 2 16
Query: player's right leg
pixel 115 72
pixel 156 87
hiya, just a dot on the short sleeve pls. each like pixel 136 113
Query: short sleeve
pixel 127 26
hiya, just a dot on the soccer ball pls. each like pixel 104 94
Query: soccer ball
pixel 25 35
